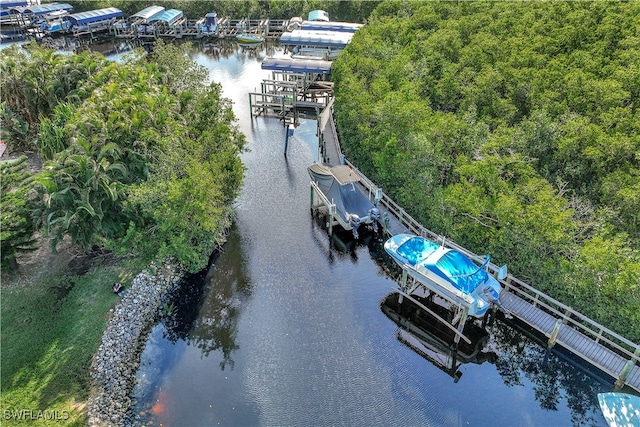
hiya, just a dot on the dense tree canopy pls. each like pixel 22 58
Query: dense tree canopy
pixel 143 156
pixel 514 129
pixel 340 10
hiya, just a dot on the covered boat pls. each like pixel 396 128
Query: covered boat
pixel 620 409
pixel 445 271
pixel 339 187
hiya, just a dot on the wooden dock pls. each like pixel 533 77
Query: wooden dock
pixel 227 28
pixel 562 325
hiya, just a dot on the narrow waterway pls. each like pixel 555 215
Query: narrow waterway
pixel 286 329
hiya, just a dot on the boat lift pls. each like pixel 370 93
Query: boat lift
pixel 438 286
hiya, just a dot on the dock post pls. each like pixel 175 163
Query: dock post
pixel 385 221
pixel 626 370
pixel 461 323
pixel 403 283
pixel 311 197
pixel 554 335
pixel 622 378
pixel 332 212
pixel 286 139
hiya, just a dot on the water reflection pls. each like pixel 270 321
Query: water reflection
pixel 210 324
pixel 200 319
pixel 215 329
pixel 554 376
pixel 431 339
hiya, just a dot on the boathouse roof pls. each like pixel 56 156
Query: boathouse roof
pixel 93 16
pixel 345 27
pixel 316 38
pixel 8 4
pixel 41 9
pixel 318 15
pixel 170 16
pixel 147 13
pixel 296 65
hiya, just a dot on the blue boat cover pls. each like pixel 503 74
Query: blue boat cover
pixel 459 270
pixel 620 409
pixel 451 265
pixel 296 65
pixel 93 16
pixel 417 249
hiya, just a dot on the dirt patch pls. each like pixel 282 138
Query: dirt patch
pixel 41 263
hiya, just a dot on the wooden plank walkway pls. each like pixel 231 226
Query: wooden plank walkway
pixel 570 338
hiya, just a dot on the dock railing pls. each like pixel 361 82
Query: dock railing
pixel 565 314
pixel 598 333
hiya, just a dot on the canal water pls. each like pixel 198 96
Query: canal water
pixel 288 328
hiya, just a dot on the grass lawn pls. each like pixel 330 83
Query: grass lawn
pixel 51 325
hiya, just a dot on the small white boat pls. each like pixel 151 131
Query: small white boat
pixel 620 409
pixel 249 38
pixel 447 272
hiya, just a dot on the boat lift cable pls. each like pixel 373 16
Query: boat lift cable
pixel 431 312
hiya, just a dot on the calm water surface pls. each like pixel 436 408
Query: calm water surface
pixel 286 329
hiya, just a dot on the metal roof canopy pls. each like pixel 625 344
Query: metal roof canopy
pixel 41 9
pixel 316 38
pixel 9 4
pixel 169 16
pixel 344 27
pixel 93 16
pixel 318 15
pixel 148 13
pixel 296 65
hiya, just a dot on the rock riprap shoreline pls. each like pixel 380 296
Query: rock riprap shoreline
pixel 115 364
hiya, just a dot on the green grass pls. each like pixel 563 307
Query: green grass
pixel 50 330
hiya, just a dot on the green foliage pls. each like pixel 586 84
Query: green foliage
pixel 34 82
pixel 14 131
pixel 141 156
pixel 510 127
pixel 15 207
pixel 339 10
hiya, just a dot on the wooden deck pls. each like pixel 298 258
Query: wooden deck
pixel 587 339
pixel 571 338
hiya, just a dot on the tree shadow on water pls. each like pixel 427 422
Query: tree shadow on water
pixel 205 309
pixel 553 375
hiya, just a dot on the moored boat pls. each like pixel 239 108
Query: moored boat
pixel 339 185
pixel 620 409
pixel 249 38
pixel 445 271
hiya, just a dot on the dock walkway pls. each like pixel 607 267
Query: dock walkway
pixel 561 324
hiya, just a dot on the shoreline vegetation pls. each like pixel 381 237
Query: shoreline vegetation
pixel 513 129
pixel 128 157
